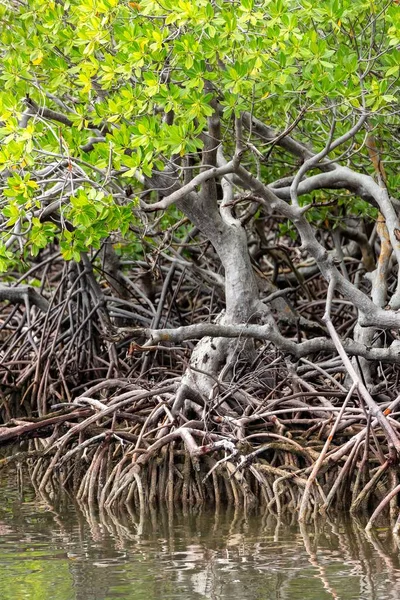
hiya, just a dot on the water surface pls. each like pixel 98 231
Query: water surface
pixel 58 550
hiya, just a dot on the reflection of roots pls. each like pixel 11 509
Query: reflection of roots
pixel 265 543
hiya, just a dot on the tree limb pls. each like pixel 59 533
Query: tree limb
pixel 19 294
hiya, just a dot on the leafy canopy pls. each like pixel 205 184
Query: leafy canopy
pixel 142 78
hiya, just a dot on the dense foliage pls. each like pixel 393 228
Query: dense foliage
pixel 131 86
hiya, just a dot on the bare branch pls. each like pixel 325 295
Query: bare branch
pixel 249 331
pixel 179 194
pixel 20 294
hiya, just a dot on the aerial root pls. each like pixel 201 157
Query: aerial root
pixel 279 436
pixel 111 462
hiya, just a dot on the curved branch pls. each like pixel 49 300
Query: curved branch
pixel 268 134
pixel 261 332
pixel 370 314
pixel 20 294
pixel 179 194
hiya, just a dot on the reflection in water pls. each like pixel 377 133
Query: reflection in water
pixel 63 551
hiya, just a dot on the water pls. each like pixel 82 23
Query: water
pixel 60 551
